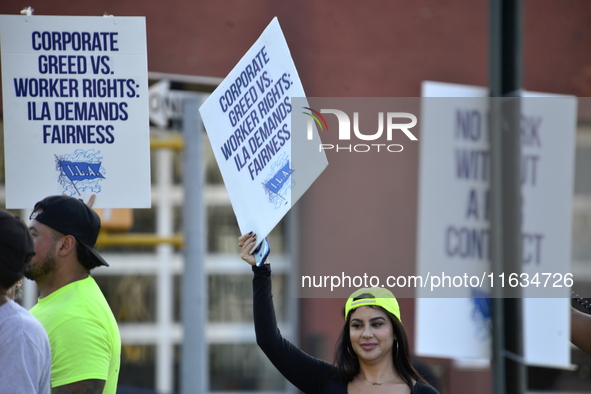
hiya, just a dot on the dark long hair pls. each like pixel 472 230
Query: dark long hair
pixel 346 361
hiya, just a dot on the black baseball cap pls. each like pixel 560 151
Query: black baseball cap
pixel 16 243
pixel 71 216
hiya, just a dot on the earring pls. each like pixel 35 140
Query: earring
pixel 396 349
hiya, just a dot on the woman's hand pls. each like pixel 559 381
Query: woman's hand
pixel 247 242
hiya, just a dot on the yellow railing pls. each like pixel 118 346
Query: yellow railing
pixel 173 142
pixel 138 239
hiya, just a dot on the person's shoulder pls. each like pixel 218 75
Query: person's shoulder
pixel 423 388
pixel 92 290
pixel 76 302
pixel 10 315
pixel 25 325
pixel 19 315
pixel 25 315
pixel 84 293
pixel 87 284
pixel 8 308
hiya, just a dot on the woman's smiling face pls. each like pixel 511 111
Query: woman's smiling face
pixel 371 333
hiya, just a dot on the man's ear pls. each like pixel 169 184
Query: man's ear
pixel 68 245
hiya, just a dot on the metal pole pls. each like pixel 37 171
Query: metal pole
pixel 194 358
pixel 509 373
pixel 164 226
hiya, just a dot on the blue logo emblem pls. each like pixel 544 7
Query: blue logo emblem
pixel 80 172
pixel 280 182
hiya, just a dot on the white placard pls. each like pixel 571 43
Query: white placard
pixel 453 214
pixel 248 121
pixel 75 93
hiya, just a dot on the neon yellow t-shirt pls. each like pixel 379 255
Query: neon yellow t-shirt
pixel 83 334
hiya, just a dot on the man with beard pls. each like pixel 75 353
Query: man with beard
pixel 83 333
pixel 25 356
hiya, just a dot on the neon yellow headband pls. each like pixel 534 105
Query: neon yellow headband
pixel 379 297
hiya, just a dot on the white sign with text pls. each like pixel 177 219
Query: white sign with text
pixel 75 95
pixel 454 212
pixel 248 121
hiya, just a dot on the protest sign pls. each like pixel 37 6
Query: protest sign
pixel 247 119
pixel 75 95
pixel 453 240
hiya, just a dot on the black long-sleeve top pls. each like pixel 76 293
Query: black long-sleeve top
pixel 307 373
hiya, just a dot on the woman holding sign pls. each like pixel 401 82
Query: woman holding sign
pixel 372 354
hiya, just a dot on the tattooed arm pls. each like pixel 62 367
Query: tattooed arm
pixel 91 386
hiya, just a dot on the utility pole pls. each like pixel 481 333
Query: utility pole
pixel 505 81
pixel 194 358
